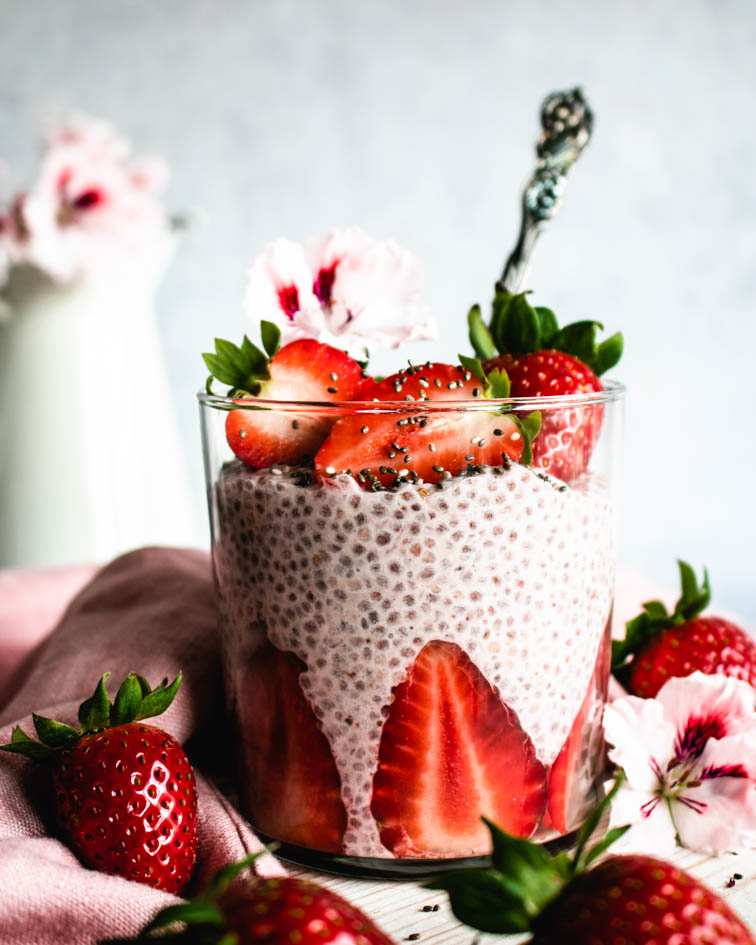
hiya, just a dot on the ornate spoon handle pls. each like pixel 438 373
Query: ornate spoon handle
pixel 567 123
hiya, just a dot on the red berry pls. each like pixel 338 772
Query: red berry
pixel 450 752
pixel 379 447
pixel 126 801
pixel 285 911
pixel 659 645
pixel 638 899
pixel 124 793
pixel 560 898
pixel 568 434
pixel 585 738
pixel 292 789
pixel 705 644
pixel 305 371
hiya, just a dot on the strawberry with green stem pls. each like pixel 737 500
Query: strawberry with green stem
pixel 659 645
pixel 563 898
pixel 544 360
pixel 279 911
pixel 301 371
pixel 123 793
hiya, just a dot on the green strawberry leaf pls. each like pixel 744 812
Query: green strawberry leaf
pixel 220 368
pixel 54 734
pixel 198 912
pixel 548 325
pixel 94 713
pixel 498 386
pixel 242 368
pixel 499 317
pixel 127 701
pixel 579 340
pixel 608 353
pixel 589 825
pixel 474 366
pixel 533 871
pixel 637 632
pixel 157 701
pixel 523 327
pixel 603 845
pixel 693 598
pixel 227 874
pixel 483 899
pixel 480 337
pixel 21 744
pixel 143 685
pixel 654 617
pixel 529 427
pixel 271 337
pixel 655 610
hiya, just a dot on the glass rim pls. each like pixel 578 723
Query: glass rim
pixel 613 391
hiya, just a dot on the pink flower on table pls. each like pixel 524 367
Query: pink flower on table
pixel 92 199
pixel 346 289
pixel 689 759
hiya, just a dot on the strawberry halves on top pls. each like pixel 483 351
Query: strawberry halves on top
pixel 124 793
pixel 411 442
pixel 262 435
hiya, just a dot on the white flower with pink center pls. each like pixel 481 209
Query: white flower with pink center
pixel 345 289
pixel 689 760
pixel 92 202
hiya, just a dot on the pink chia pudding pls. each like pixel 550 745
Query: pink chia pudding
pixel 401 662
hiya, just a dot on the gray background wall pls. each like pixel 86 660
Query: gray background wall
pixel 417 120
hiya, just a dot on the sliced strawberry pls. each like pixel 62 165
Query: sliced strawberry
pixel 564 770
pixel 568 434
pixel 381 448
pixel 303 370
pixel 292 786
pixel 450 752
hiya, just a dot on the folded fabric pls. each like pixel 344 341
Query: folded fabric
pixel 151 611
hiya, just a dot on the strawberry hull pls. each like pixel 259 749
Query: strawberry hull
pixel 440 641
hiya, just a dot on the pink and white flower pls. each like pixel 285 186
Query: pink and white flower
pixel 689 759
pixel 346 289
pixel 92 202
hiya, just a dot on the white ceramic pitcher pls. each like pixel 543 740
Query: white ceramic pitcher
pixel 90 460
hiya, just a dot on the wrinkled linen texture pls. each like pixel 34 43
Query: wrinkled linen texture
pixel 151 611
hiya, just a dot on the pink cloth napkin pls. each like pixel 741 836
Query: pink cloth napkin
pixel 151 611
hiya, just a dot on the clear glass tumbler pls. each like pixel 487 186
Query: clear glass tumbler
pixel 402 655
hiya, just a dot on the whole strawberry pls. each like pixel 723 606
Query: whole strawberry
pixel 636 900
pixel 659 645
pixel 277 911
pixel 124 793
pixel 544 360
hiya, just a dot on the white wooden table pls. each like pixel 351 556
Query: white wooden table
pixel 397 907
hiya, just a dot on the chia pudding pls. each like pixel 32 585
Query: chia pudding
pixel 509 568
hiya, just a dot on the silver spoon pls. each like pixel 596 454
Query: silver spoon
pixel 567 123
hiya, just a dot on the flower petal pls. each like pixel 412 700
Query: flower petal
pixel 279 289
pixel 642 740
pixel 704 706
pixel 718 812
pixel 371 290
pixel 91 205
pixel 652 830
